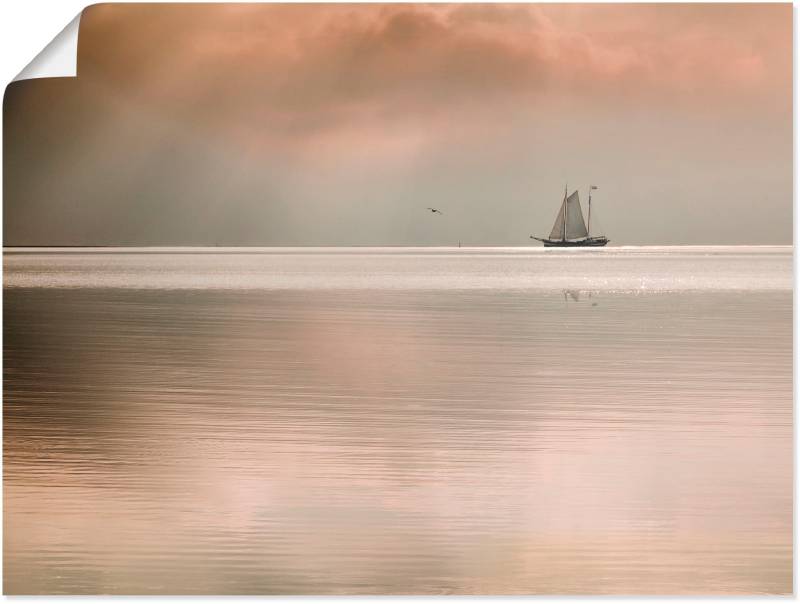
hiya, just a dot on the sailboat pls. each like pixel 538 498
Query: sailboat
pixel 569 229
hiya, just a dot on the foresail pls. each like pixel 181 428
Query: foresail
pixel 576 227
pixel 558 227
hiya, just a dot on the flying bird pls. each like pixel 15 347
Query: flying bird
pixel 435 211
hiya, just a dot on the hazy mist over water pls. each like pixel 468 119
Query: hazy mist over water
pixel 338 124
pixel 485 421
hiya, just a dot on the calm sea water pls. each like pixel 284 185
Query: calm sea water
pixel 475 421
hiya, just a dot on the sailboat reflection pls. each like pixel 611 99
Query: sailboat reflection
pixel 575 295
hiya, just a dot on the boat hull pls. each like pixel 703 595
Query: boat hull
pixel 590 242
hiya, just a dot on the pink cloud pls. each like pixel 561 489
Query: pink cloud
pixel 320 76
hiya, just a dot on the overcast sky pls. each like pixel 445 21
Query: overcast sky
pixel 339 125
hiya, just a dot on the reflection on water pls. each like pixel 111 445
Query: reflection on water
pixel 382 439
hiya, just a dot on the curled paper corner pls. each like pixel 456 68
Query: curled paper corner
pixel 59 59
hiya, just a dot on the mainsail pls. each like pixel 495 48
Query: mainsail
pixel 569 222
pixel 558 227
pixel 576 227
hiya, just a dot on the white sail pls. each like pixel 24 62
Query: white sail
pixel 576 227
pixel 558 227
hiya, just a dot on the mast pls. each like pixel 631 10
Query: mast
pixel 565 213
pixel 589 219
pixel 589 223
